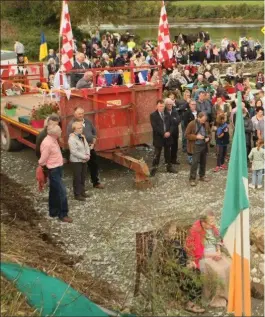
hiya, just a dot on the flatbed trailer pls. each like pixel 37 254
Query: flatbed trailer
pixel 120 115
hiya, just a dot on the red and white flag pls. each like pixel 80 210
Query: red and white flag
pixel 67 50
pixel 165 50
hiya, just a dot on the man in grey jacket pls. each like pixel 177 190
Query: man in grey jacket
pixel 204 105
pixel 90 133
pixel 86 81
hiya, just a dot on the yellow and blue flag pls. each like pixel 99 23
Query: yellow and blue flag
pixel 43 47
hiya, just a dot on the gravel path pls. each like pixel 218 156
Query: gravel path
pixel 104 227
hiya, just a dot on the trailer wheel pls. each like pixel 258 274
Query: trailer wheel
pixel 7 143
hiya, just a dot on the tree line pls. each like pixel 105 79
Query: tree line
pixel 24 20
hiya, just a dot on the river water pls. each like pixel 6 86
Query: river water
pixel 217 30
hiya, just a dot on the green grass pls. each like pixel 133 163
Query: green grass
pixel 216 3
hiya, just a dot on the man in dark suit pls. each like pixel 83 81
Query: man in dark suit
pixel 175 121
pixel 162 129
pixel 78 64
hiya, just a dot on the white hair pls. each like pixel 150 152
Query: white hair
pixel 54 130
pixel 169 101
pixel 51 61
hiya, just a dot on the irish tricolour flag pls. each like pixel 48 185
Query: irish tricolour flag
pixel 235 221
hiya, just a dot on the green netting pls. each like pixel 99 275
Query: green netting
pixel 50 296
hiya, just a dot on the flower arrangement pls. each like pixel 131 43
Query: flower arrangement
pixel 9 105
pixel 10 109
pixel 44 110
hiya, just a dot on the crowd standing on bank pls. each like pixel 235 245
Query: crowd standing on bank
pixel 197 105
pixel 105 50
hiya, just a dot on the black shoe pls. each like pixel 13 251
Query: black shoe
pixel 80 198
pixel 153 172
pixel 170 169
pixel 85 195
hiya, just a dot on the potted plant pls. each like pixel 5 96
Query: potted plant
pixel 39 114
pixel 10 109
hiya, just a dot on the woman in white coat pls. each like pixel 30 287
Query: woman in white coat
pixel 79 155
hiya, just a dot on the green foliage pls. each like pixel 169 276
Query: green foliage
pixel 25 20
pixel 96 12
pixel 44 110
pixel 143 9
pixel 201 11
pixel 36 13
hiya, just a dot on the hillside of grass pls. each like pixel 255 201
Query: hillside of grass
pixel 217 3
pixel 251 10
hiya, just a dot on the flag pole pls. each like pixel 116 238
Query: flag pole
pixel 242 265
pixel 60 37
pixel 242 255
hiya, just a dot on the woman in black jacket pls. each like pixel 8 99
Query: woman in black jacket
pixel 52 67
pixel 201 55
pixel 193 55
pixel 248 125
pixel 188 77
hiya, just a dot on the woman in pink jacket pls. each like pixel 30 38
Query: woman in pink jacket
pixel 203 245
pixel 101 82
pixel 52 158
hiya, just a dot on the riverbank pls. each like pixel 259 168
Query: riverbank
pixel 238 20
pixel 103 232
pixel 26 239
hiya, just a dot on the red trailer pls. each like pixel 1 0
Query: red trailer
pixel 119 113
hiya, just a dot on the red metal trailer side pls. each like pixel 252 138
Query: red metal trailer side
pixel 120 115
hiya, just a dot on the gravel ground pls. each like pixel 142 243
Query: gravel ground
pixel 104 227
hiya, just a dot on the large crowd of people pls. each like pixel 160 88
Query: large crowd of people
pixel 114 50
pixel 196 102
pixel 197 112
pixel 206 122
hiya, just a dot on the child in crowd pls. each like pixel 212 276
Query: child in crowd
pixel 257 156
pixel 222 141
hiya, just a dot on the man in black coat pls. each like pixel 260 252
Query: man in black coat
pixel 190 114
pixel 175 121
pixel 78 64
pixel 162 130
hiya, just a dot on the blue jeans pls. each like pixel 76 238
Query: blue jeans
pixel 58 206
pixel 189 159
pixel 257 177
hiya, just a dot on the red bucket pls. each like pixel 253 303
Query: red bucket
pixel 37 124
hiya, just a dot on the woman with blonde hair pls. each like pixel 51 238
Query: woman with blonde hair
pixel 101 81
pixel 79 156
pixel 52 67
pixel 52 158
